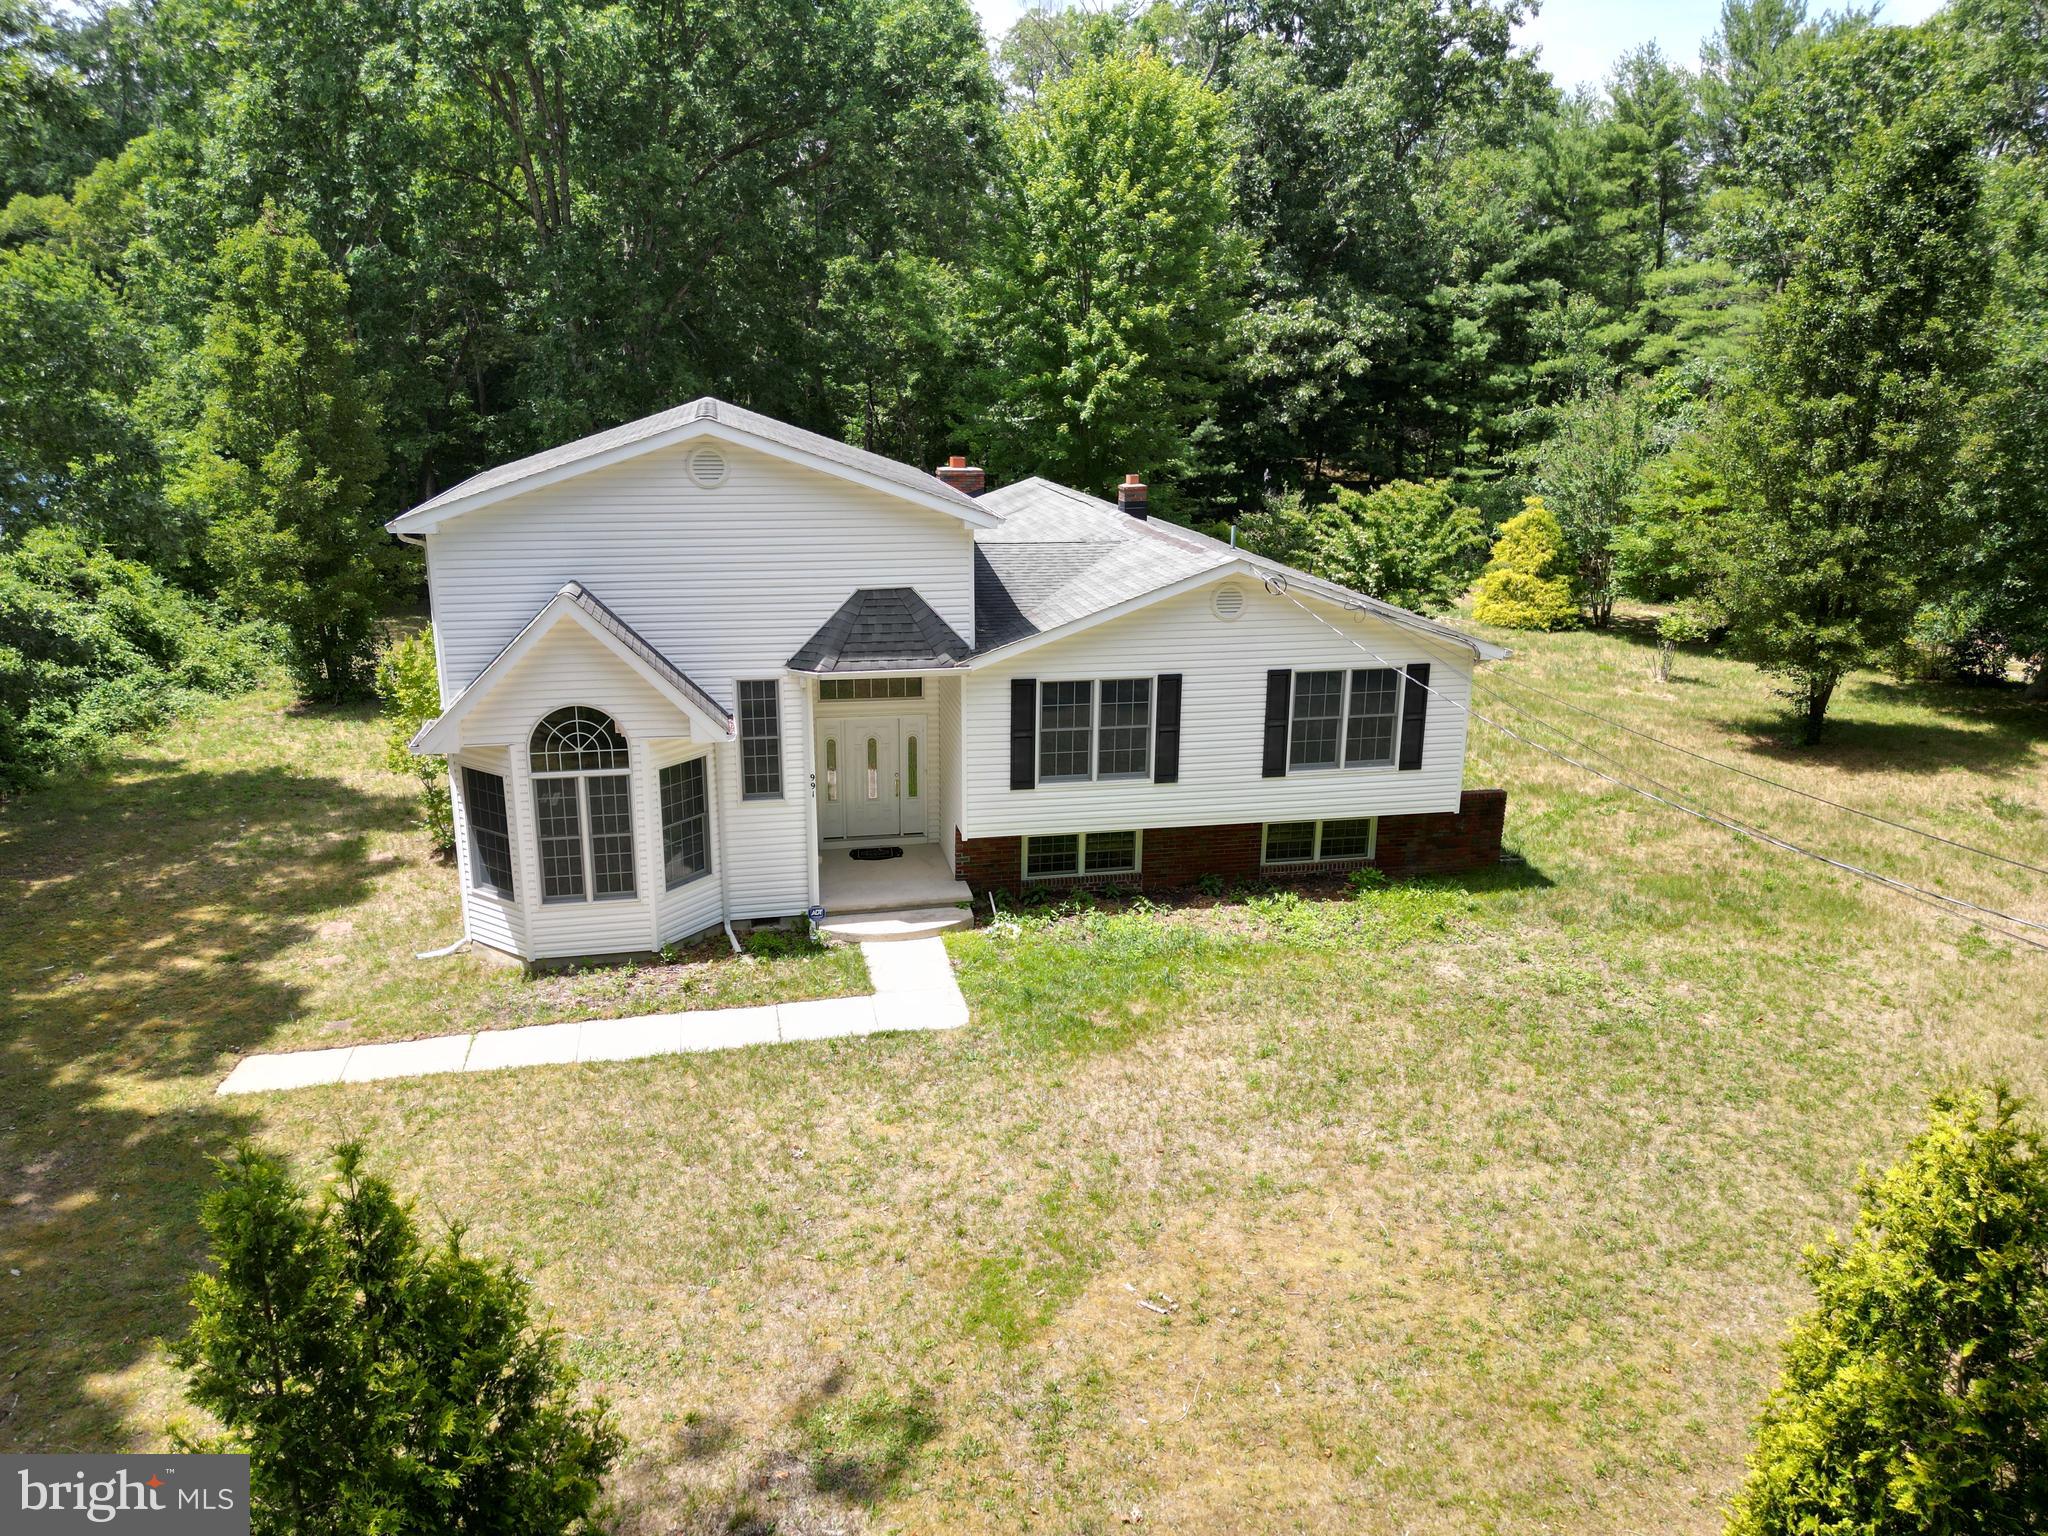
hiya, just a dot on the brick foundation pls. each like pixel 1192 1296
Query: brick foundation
pixel 1445 843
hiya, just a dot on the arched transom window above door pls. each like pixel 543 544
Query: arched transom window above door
pixel 582 806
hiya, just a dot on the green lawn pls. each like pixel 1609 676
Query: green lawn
pixel 1461 1206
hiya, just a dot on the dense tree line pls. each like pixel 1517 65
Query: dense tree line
pixel 1767 336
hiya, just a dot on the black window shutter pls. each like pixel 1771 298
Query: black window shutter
pixel 1166 731
pixel 1023 733
pixel 1279 690
pixel 1414 714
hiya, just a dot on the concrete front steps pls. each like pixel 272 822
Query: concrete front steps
pixel 895 926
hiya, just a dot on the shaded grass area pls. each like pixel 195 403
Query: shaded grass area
pixel 253 881
pixel 1454 1206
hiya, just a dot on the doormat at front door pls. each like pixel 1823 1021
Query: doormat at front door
pixel 876 853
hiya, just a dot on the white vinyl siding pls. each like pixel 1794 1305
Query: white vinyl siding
pixel 725 583
pixel 1223 699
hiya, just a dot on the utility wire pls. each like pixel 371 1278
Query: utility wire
pixel 1955 906
pixel 1790 789
pixel 1913 892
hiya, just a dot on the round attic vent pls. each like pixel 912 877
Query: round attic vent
pixel 1228 602
pixel 707 466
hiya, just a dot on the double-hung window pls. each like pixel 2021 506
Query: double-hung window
pixel 760 739
pixel 490 833
pixel 1066 720
pixel 1123 749
pixel 1347 719
pixel 582 806
pixel 1095 730
pixel 1318 707
pixel 1372 718
pixel 685 823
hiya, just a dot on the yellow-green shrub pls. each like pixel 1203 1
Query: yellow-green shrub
pixel 1524 585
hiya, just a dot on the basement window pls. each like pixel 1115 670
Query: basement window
pixel 1315 842
pixel 1074 853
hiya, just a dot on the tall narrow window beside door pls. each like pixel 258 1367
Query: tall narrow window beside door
pixel 761 739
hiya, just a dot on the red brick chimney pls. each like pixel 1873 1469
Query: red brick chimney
pixel 1132 497
pixel 962 476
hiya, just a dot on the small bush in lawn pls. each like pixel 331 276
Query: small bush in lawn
pixel 1527 583
pixel 378 1383
pixel 409 683
pixel 1915 1394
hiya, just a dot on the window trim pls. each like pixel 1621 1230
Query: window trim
pixel 1095 775
pixel 1343 765
pixel 581 778
pixel 741 738
pixel 1316 855
pixel 1081 871
pixel 703 760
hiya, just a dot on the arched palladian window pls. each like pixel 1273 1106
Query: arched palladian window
pixel 582 806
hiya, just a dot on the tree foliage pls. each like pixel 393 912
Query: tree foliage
pixel 408 683
pixel 284 452
pixel 1111 289
pixel 92 646
pixel 1840 450
pixel 1255 251
pixel 1588 471
pixel 1407 542
pixel 1915 1393
pixel 378 1382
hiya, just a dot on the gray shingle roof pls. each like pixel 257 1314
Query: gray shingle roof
pixel 675 676
pixel 882 629
pixel 1061 555
pixel 752 423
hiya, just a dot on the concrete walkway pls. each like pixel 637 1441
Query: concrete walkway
pixel 914 989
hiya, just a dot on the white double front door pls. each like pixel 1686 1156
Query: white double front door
pixel 871 777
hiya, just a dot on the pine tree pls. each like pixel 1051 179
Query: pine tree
pixel 281 462
pixel 1839 452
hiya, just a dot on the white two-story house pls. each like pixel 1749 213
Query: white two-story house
pixel 689 666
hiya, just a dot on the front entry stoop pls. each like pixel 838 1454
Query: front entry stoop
pixel 888 927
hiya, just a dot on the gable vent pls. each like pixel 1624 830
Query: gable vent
pixel 707 466
pixel 1228 602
